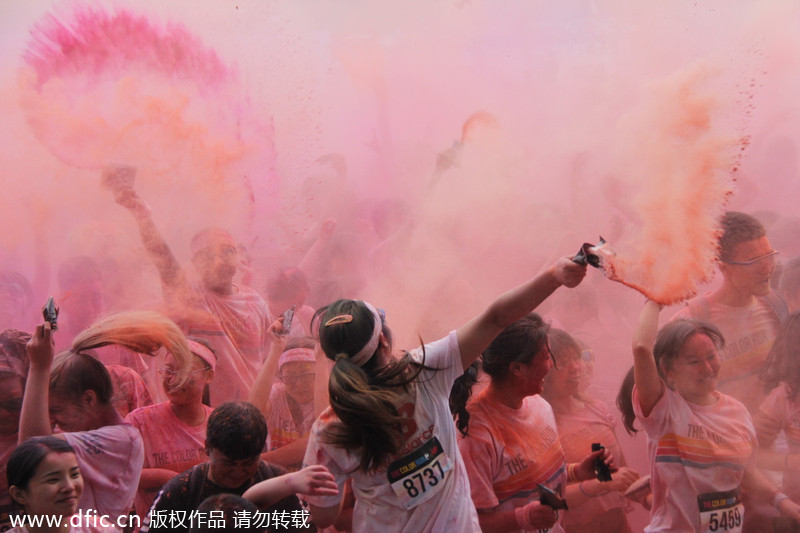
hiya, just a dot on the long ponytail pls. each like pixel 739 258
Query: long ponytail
pixel 365 397
pixel 76 370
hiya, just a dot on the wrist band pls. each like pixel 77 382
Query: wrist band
pixel 778 497
pixel 571 476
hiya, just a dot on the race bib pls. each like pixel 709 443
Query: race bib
pixel 721 511
pixel 418 476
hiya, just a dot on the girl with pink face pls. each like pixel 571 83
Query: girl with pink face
pixel 293 401
pixel 510 439
pixel 702 442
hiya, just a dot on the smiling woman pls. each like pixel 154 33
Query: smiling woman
pixel 704 443
pixel 44 480
pixel 74 390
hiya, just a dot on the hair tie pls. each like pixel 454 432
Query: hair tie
pixel 339 319
pixel 341 356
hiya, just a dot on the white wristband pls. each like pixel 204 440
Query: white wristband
pixel 778 498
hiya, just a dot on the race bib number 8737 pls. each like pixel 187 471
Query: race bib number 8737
pixel 416 477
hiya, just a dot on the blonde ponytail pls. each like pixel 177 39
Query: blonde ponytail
pixel 140 331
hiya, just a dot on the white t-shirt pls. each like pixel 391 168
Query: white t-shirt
pixel 424 488
pixel 111 460
pixel 699 455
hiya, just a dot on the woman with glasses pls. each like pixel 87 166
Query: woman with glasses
pixel 73 392
pixel 389 427
pixel 583 420
pixel 174 432
pixel 291 404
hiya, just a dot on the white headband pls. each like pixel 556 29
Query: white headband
pixel 366 353
pixel 368 350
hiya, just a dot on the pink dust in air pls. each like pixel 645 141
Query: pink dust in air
pixel 680 180
pixel 461 146
pixel 99 87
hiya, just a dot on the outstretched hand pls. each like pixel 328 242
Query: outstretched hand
pixel 119 180
pixel 622 479
pixel 277 334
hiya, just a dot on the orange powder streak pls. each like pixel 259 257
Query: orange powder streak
pixel 682 171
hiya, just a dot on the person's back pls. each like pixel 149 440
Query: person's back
pixel 404 503
pixel 389 427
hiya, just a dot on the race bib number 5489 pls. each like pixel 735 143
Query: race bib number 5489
pixel 416 477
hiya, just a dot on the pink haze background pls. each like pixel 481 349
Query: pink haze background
pixel 461 146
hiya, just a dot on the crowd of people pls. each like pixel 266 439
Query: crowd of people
pixel 269 415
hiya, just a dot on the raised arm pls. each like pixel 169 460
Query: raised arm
pixel 478 333
pixel 262 387
pixel 649 385
pixel 34 419
pixel 173 276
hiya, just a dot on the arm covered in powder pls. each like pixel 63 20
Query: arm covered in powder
pixel 173 276
pixel 34 418
pixel 475 335
pixel 262 387
pixel 649 385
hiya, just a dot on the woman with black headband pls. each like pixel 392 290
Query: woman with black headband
pixel 389 427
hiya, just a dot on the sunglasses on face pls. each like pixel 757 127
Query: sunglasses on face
pixel 769 255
